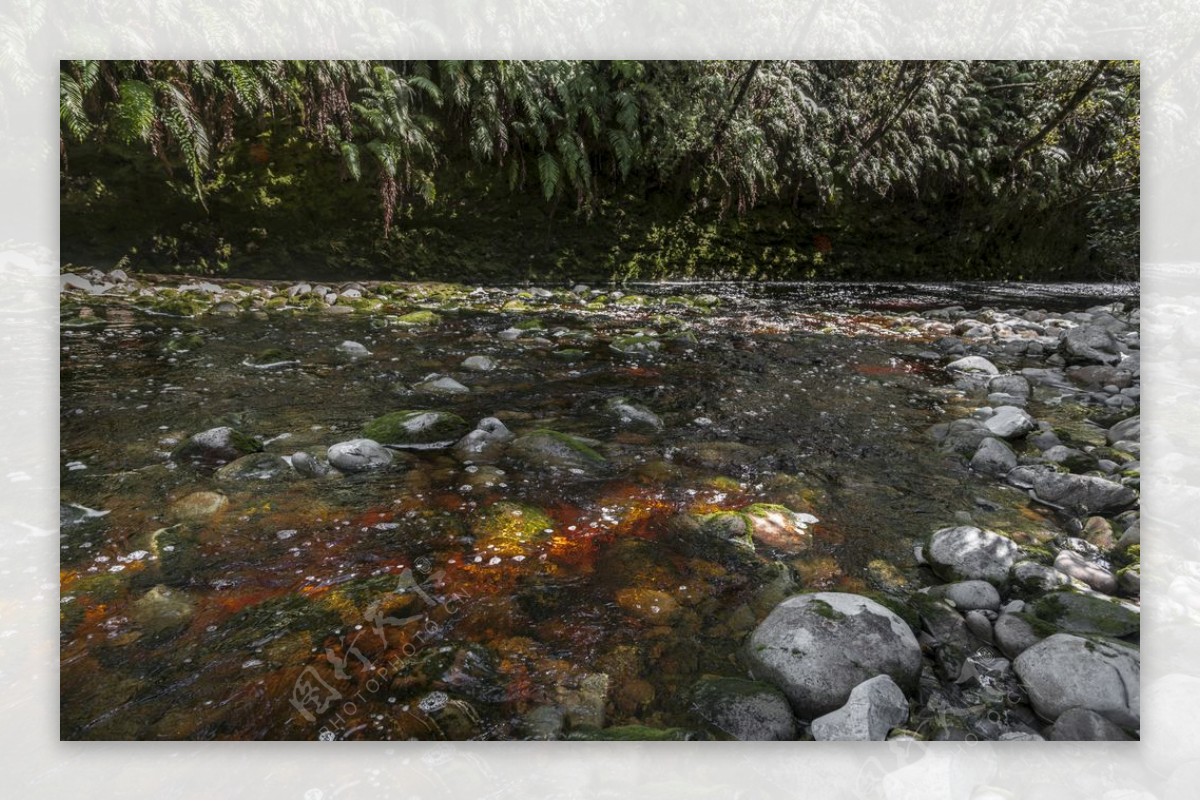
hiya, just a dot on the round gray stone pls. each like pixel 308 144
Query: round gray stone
pixel 967 552
pixel 1065 671
pixel 818 647
pixel 359 455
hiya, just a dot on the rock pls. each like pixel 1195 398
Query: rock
pixel 874 708
pixel 966 552
pixel 71 281
pixel 1013 634
pixel 1129 580
pixel 199 505
pixel 216 445
pixel 652 606
pixel 1090 344
pixel 979 625
pixel 354 350
pixel 418 318
pixel 1128 430
pixel 359 455
pixel 162 610
pixel 420 429
pixel 1097 376
pixel 1081 613
pixel 633 415
pixel 308 466
pixel 1072 564
pixel 1015 385
pixel 255 467
pixel 779 527
pixel 1065 671
pixel 510 529
pixel 550 450
pixel 636 343
pixel 1082 495
pixel 1030 578
pixel 480 364
pixel 952 642
pixel 1079 724
pixel 962 436
pixel 583 706
pixel 1009 422
pixel 993 457
pixel 973 364
pixel 485 444
pixel 1074 460
pixel 818 647
pixel 438 384
pixel 744 710
pixel 968 595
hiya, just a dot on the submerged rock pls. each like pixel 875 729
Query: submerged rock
pixel 874 708
pixel 199 505
pixel 1065 671
pixel 438 384
pixel 255 467
pixel 550 450
pixel 973 365
pixel 417 428
pixel 308 466
pixel 354 350
pixel 967 552
pixel 818 647
pixel 779 527
pixel 162 610
pixel 632 414
pixel 480 364
pixel 510 529
pixel 1077 567
pixel 743 709
pixel 359 455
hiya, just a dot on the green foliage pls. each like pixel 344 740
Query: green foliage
pixel 1043 154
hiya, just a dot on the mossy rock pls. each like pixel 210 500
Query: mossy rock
pixel 175 306
pixel 417 428
pixel 553 450
pixel 423 318
pixel 1080 613
pixel 533 324
pixel 635 301
pixel 272 619
pixel 100 587
pixel 256 467
pixel 217 444
pixel 569 355
pixel 635 733
pixel 509 529
pixel 184 343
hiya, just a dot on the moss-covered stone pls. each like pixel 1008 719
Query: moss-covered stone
pixel 422 318
pixel 1082 613
pixel 416 427
pixel 547 449
pixel 509 529
pixel 184 343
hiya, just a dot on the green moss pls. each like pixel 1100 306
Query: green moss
pixel 532 324
pixel 575 444
pixel 419 318
pixel 509 528
pixel 100 588
pixel 825 610
pixel 568 354
pixel 902 610
pixel 416 427
pixel 184 343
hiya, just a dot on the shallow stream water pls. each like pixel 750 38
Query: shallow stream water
pixel 365 607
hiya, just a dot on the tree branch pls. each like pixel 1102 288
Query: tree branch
pixel 1080 95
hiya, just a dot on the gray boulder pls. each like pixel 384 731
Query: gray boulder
pixel 1079 724
pixel 1013 635
pixel 359 455
pixel 1090 344
pixel 1082 495
pixel 966 552
pixel 973 365
pixel 1009 422
pixel 1128 430
pixel 1077 567
pixel 308 466
pixel 993 458
pixel 1031 578
pixel 633 415
pixel 968 595
pixel 1016 385
pixel 818 647
pixel 1081 613
pixel 1065 671
pixel 874 708
pixel 744 709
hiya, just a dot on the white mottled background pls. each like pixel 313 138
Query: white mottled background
pixel 35 34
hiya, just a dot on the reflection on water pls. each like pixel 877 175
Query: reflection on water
pixel 492 597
